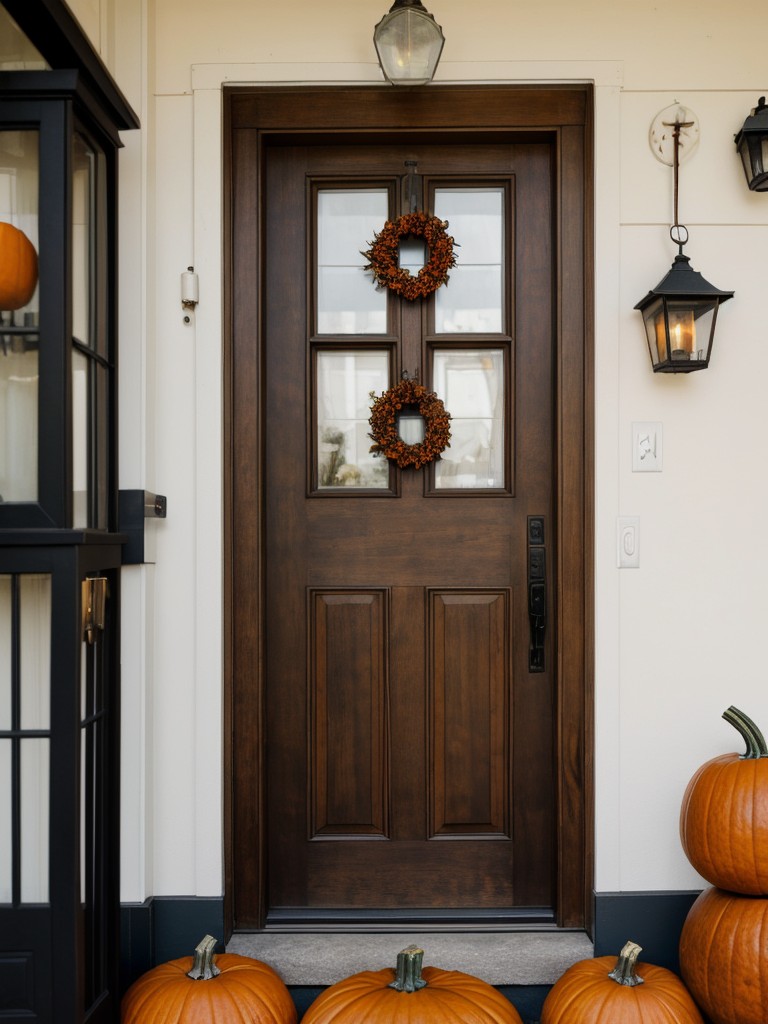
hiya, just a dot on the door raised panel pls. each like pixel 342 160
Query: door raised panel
pixel 348 784
pixel 469 682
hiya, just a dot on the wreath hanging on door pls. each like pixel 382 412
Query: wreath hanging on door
pixel 408 392
pixel 383 255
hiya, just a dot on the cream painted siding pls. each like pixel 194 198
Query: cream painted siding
pixel 678 639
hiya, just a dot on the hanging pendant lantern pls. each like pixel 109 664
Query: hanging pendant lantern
pixel 680 313
pixel 408 43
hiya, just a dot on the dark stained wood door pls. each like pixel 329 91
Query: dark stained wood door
pixel 410 741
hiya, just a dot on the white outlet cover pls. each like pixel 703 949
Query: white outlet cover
pixel 647 447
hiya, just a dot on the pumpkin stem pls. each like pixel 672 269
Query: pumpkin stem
pixel 408 972
pixel 749 732
pixel 203 969
pixel 624 971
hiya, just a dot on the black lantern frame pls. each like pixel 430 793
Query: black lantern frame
pixel 752 144
pixel 680 313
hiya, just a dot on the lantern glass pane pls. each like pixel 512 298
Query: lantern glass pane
pixel 19 315
pixel 655 328
pixel 704 315
pixel 682 331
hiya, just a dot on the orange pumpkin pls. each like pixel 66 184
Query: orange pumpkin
pixel 724 956
pixel 403 995
pixel 620 991
pixel 205 989
pixel 18 267
pixel 724 815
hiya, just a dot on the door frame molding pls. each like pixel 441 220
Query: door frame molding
pixel 256 115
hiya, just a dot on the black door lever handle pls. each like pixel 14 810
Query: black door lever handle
pixel 537 592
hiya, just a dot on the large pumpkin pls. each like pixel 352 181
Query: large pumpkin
pixel 18 267
pixel 406 996
pixel 724 815
pixel 724 956
pixel 609 991
pixel 231 989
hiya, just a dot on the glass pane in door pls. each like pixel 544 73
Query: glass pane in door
pixel 35 650
pixel 6 613
pixel 19 315
pixel 347 300
pixel 6 822
pixel 473 299
pixel 471 385
pixel 35 811
pixel 82 239
pixel 344 384
pixel 81 407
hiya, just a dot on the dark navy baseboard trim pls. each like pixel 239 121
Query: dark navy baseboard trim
pixel 653 920
pixel 165 927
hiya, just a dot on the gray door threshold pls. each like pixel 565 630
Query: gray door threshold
pixel 500 958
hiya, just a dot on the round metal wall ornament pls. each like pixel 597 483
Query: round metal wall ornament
pixel 384 255
pixel 409 395
pixel 661 135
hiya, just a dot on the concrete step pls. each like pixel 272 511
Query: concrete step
pixel 500 958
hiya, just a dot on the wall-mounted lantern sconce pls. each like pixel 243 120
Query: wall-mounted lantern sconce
pixel 408 43
pixel 681 311
pixel 752 144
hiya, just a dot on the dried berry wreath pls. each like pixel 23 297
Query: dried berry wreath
pixel 383 256
pixel 383 421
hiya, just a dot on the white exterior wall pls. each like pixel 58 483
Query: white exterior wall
pixel 680 636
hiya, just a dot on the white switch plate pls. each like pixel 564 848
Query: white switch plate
pixel 628 542
pixel 647 447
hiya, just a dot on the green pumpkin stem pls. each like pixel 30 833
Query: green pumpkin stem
pixel 203 969
pixel 408 971
pixel 624 971
pixel 749 732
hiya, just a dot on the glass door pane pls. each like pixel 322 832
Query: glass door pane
pixel 471 384
pixel 347 301
pixel 82 240
pixel 6 822
pixel 19 315
pixel 473 300
pixel 344 382
pixel 35 812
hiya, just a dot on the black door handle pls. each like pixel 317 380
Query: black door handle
pixel 537 592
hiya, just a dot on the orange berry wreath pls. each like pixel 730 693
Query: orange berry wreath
pixel 384 255
pixel 384 426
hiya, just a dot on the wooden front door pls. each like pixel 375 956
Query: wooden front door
pixel 405 750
